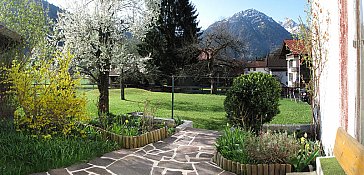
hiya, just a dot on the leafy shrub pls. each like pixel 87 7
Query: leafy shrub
pixel 269 147
pixel 306 155
pixel 46 93
pixel 252 100
pixel 232 143
pixel 245 147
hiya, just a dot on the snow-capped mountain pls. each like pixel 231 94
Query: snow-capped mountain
pixel 260 33
pixel 290 25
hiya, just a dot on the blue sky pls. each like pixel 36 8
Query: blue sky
pixel 211 11
pixel 215 10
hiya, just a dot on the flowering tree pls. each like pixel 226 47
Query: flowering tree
pixel 96 31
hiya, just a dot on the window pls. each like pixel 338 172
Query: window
pixel 290 77
pixel 290 63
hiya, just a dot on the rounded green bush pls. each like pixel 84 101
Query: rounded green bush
pixel 252 100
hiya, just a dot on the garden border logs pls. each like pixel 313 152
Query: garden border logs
pixel 248 169
pixel 130 142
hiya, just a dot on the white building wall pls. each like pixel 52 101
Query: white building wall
pixel 330 79
pixel 352 69
pixel 260 69
pixel 329 90
pixel 294 70
pixel 281 75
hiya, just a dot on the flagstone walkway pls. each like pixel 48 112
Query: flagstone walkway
pixel 187 152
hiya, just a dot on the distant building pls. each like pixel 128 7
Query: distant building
pixel 297 72
pixel 256 66
pixel 274 64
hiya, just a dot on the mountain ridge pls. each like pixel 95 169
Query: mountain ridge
pixel 260 33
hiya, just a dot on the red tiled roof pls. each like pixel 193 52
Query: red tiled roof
pixel 295 46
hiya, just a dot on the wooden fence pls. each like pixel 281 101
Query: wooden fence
pixel 130 142
pixel 248 169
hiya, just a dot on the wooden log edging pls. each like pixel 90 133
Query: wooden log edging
pixel 130 142
pixel 248 169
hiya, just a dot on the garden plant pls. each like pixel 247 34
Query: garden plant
pixel 252 100
pixel 245 147
pixel 45 132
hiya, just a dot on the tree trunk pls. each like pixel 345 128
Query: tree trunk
pixel 103 87
pixel 213 87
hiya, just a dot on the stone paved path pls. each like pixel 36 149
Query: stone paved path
pixel 187 152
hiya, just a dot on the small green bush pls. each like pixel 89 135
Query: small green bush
pixel 272 147
pixel 231 144
pixel 252 100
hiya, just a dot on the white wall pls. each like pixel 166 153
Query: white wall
pixel 330 79
pixel 281 75
pixel 294 70
pixel 260 69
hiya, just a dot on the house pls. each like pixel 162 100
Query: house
pixel 340 89
pixel 274 64
pixel 256 66
pixel 297 71
pixel 277 65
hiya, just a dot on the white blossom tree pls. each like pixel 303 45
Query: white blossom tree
pixel 95 31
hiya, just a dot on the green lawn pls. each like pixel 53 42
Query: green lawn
pixel 331 166
pixel 293 113
pixel 205 110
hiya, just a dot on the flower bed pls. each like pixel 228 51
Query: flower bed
pixel 134 131
pixel 129 142
pixel 242 151
pixel 251 169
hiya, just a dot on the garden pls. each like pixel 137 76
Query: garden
pixel 60 136
pixel 49 120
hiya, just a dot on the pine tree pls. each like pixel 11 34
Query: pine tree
pixel 173 41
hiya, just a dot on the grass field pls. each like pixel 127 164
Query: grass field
pixel 205 110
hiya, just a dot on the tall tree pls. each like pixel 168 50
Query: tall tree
pixel 173 41
pixel 215 45
pixel 95 32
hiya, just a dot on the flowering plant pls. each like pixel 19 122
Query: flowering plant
pixel 307 153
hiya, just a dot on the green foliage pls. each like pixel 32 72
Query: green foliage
pixel 178 121
pixel 23 154
pixel 307 154
pixel 232 144
pixel 252 100
pixel 245 147
pixel 173 41
pixel 272 147
pixel 46 93
pixel 29 19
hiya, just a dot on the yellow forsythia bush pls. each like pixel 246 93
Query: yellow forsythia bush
pixel 48 101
